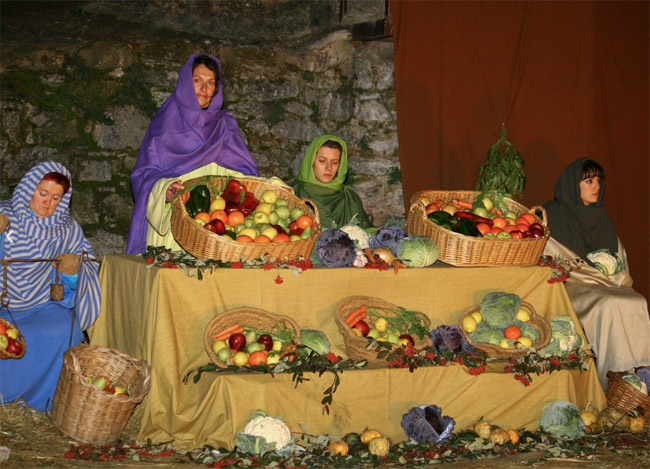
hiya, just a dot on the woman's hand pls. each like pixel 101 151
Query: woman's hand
pixel 4 221
pixel 68 263
pixel 171 190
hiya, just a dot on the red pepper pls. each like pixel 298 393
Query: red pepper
pixel 250 202
pixel 234 191
pixel 471 216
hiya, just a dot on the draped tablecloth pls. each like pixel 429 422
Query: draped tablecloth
pixel 160 314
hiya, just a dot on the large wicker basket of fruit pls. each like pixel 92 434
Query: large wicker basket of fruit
pixel 528 332
pixel 249 336
pixel 625 397
pixel 97 392
pixel 360 318
pixel 12 342
pixel 468 233
pixel 226 219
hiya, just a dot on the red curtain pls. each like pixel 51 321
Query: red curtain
pixel 568 79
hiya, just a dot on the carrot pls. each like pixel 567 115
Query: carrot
pixel 462 203
pixel 397 264
pixel 369 254
pixel 355 316
pixel 228 331
pixel 356 319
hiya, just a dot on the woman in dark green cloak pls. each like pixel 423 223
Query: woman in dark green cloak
pixel 321 178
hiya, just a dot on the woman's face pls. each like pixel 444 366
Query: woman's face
pixel 589 190
pixel 326 164
pixel 46 198
pixel 204 85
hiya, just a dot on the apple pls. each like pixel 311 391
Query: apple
pixel 240 359
pixel 277 345
pixel 237 341
pixel 270 232
pixel 266 340
pixel 504 234
pixel 449 208
pixel 392 338
pixel 283 211
pixel 224 355
pixel 363 327
pixel 261 217
pixel 216 226
pixel 12 333
pixel 218 203
pixel 280 229
pixel 273 358
pixel 14 348
pixel 119 391
pixel 516 234
pixel 251 337
pixel 249 222
pixel 282 203
pixel 510 214
pixel 374 333
pixel 408 338
pixel 4 342
pixel 481 212
pixel 296 213
pixel 218 345
pixel 237 229
pixel 252 232
pixel 265 208
pixel 274 218
pixel 100 382
pixel 306 233
pixel 295 238
pixel 268 197
pixel 434 207
pixel 255 347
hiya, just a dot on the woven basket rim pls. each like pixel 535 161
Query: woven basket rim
pixel 494 351
pixel 625 397
pixel 228 318
pixel 4 355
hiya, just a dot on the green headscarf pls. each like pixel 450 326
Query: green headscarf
pixel 582 228
pixel 337 203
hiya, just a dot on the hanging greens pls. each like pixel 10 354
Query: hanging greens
pixel 504 170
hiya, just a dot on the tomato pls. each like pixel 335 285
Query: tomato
pixel 304 221
pixel 512 332
pixel 483 228
pixel 530 217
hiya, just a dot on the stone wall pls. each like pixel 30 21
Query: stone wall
pixel 81 81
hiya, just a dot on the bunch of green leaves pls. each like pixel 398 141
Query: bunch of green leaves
pixel 497 198
pixel 402 319
pixel 504 169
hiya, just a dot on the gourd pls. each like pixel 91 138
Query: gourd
pixel 514 436
pixel 338 447
pixel 499 436
pixel 613 420
pixel 482 429
pixel 637 423
pixel 352 438
pixel 379 446
pixel 368 435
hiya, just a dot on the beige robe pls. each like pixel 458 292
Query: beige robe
pixel 613 315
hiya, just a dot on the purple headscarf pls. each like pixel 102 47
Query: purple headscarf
pixel 181 138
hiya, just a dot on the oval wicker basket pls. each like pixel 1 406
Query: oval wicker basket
pixel 623 396
pixel 204 244
pixel 540 324
pixel 460 250
pixel 4 355
pixel 247 317
pixel 355 346
pixel 87 414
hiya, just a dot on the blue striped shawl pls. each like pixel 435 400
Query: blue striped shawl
pixel 31 237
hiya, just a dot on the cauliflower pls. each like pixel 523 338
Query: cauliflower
pixel 360 236
pixel 263 433
pixel 607 263
pixel 360 259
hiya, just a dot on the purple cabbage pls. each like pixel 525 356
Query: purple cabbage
pixel 449 337
pixel 425 424
pixel 643 372
pixel 335 248
pixel 388 237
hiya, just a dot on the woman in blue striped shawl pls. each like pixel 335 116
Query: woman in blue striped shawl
pixel 36 224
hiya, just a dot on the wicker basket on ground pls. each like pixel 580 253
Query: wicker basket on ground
pixel 355 346
pixel 540 324
pixel 203 244
pixel 623 396
pixel 90 415
pixel 19 337
pixel 253 318
pixel 460 250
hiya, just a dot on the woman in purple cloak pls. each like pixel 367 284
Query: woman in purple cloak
pixel 190 136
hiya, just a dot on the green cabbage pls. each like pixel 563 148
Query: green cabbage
pixel 563 419
pixel 564 339
pixel 486 333
pixel 417 251
pixel 315 340
pixel 634 380
pixel 499 309
pixel 527 329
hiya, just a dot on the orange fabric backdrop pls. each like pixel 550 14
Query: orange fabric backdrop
pixel 568 79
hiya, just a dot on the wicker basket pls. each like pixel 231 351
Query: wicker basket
pixel 623 396
pixel 3 353
pixel 247 317
pixel 355 346
pixel 540 324
pixel 460 250
pixel 87 414
pixel 203 244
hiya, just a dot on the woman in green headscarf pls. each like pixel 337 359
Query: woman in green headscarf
pixel 321 178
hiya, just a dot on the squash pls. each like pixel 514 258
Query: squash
pixel 338 447
pixel 514 436
pixel 637 423
pixel 482 428
pixel 352 438
pixel 499 436
pixel 379 446
pixel 368 435
pixel 611 419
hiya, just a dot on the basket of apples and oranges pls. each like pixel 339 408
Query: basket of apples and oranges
pixel 244 219
pixel 249 336
pixel 12 342
pixel 510 235
pixel 97 391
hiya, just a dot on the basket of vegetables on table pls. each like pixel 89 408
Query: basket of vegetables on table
pixel 360 318
pixel 474 228
pixel 227 219
pixel 504 326
pixel 249 336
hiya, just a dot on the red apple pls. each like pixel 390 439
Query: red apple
pixel 516 234
pixel 266 340
pixel 363 327
pixel 434 207
pixel 216 226
pixel 237 342
pixel 407 337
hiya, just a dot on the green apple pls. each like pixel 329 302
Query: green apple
pixel 283 212
pixel 224 355
pixel 255 347
pixel 218 203
pixel 274 218
pixel 273 358
pixel 270 232
pixel 239 227
pixel 294 238
pixel 199 221
pixel 296 213
pixel 262 226
pixel 488 203
pixel 268 197
pixel 480 211
pixel 252 232
pixel 265 208
pixel 306 233
pixel 100 383
pixel 251 337
pixel 392 338
pixel 373 333
pixel 504 234
pixel 4 342
pixel 260 217
pixel 284 222
pixel 249 222
pixel 282 203
pixel 240 359
pixel 218 345
pixel 119 391
pixel 510 214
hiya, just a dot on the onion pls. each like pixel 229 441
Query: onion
pixel 385 254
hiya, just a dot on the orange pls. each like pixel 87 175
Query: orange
pixel 205 216
pixel 219 215
pixel 483 228
pixel 522 221
pixel 522 227
pixel 257 358
pixel 304 221
pixel 512 332
pixel 244 239
pixel 510 228
pixel 499 222
pixel 530 217
pixel 281 238
pixel 262 239
pixel 236 218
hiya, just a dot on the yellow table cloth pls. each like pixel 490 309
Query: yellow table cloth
pixel 159 315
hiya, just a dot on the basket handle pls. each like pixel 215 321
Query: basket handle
pixel 538 208
pixel 313 205
pixel 419 208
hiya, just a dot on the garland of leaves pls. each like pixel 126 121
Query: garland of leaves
pixel 560 267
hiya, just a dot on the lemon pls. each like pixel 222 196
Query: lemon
pixel 505 343
pixel 469 324
pixel 524 341
pixel 523 315
pixel 488 203
pixel 478 317
pixel 381 324
pixel 218 345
